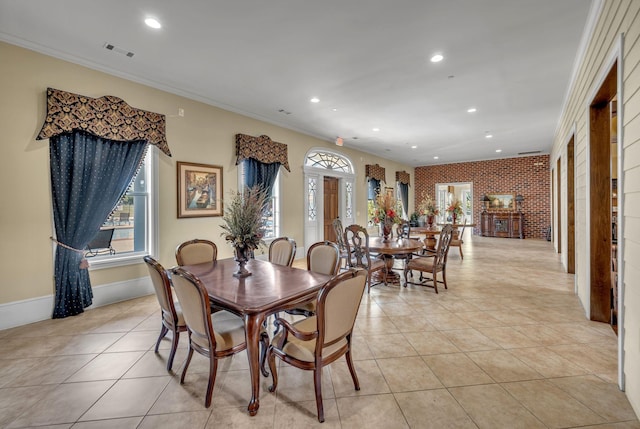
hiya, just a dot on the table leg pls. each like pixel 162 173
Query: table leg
pixel 253 324
pixel 430 242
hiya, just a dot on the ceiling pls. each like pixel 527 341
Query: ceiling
pixel 367 61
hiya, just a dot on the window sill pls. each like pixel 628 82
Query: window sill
pixel 113 261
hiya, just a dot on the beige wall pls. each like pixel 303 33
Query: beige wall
pixel 205 134
pixel 616 17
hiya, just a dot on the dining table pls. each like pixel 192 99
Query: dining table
pixel 430 233
pixel 270 288
pixel 390 249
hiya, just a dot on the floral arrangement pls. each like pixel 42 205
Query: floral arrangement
pixel 455 208
pixel 428 206
pixel 384 209
pixel 244 221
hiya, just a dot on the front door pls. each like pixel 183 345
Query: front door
pixel 330 207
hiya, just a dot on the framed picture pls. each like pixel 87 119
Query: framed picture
pixel 502 201
pixel 199 190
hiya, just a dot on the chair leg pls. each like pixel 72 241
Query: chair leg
pixel 352 369
pixel 461 255
pixel 163 332
pixel 369 282
pixel 317 383
pixel 186 364
pixel 213 369
pixel 174 347
pixel 444 278
pixel 271 357
pixel 435 280
pixel 264 345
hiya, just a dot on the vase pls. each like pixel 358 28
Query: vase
pixel 241 257
pixel 386 229
pixel 430 219
pixel 453 218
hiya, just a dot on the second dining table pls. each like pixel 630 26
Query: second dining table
pixel 390 248
pixel 270 288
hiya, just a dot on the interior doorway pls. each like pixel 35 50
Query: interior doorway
pixel 571 210
pixel 558 204
pixel 330 206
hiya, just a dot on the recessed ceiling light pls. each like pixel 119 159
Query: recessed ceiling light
pixel 436 157
pixel 376 129
pixel 414 147
pixel 315 100
pixel 152 22
pixel 334 109
pixel 472 110
pixel 498 150
pixel 437 58
pixel 488 136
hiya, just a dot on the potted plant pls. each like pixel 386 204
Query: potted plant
pixel 428 208
pixel 244 224
pixel 413 219
pixel 455 210
pixel 385 214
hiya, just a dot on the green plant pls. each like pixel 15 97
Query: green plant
pixel 244 220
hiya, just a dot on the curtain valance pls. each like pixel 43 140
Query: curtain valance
pixel 261 149
pixel 375 172
pixel 106 117
pixel 403 177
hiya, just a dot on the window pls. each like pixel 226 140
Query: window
pixel 134 219
pixel 272 217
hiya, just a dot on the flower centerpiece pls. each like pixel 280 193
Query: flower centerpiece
pixel 428 208
pixel 385 214
pixel 455 209
pixel 244 224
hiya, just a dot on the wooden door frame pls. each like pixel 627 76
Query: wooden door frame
pixel 559 205
pixel 571 208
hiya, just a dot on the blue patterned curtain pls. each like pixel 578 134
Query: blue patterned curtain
pixel 89 175
pixel 261 174
pixel 404 196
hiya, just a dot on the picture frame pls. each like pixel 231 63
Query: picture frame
pixel 199 190
pixel 506 201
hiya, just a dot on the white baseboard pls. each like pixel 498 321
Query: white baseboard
pixel 32 310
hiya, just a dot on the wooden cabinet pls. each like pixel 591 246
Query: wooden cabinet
pixel 502 224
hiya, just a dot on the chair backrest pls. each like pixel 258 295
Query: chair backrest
pixel 282 251
pixel 338 303
pixel 324 258
pixel 403 229
pixel 124 217
pixel 461 233
pixel 196 251
pixel 194 302
pixel 339 230
pixel 162 287
pixel 443 245
pixel 102 240
pixel 356 240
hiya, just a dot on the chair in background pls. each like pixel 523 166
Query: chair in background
pixel 458 242
pixel 356 239
pixel 431 263
pixel 214 336
pixel 123 217
pixel 324 258
pixel 282 251
pixel 196 251
pixel 101 243
pixel 339 230
pixel 403 230
pixel 317 341
pixel 172 319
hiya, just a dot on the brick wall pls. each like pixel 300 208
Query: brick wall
pixel 528 176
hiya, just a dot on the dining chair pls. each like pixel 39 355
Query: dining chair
pixel 214 336
pixel 196 251
pixel 171 313
pixel 431 262
pixel 323 257
pixel 458 242
pixel 339 230
pixel 356 239
pixel 317 341
pixel 403 231
pixel 282 251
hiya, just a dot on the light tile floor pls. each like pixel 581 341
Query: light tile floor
pixel 506 346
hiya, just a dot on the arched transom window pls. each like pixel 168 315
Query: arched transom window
pixel 329 161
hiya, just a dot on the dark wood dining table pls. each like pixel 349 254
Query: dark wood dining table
pixel 270 288
pixel 391 248
pixel 430 233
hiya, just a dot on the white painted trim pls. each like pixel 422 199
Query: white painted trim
pixel 621 219
pixel 32 310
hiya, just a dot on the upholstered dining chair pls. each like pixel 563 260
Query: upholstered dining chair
pixel 196 251
pixel 356 239
pixel 458 242
pixel 315 342
pixel 432 263
pixel 172 319
pixel 339 230
pixel 322 257
pixel 282 251
pixel 214 336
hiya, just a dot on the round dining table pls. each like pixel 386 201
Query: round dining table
pixel 430 233
pixel 391 248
